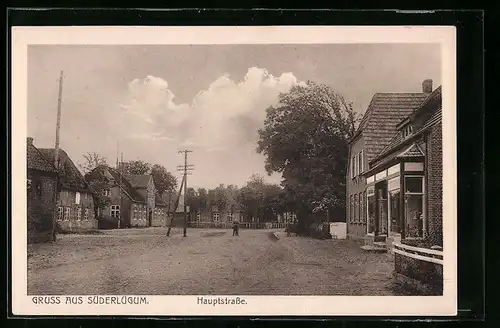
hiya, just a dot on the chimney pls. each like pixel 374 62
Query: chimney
pixel 29 140
pixel 427 86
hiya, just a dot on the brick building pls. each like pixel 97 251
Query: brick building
pixel 412 163
pixel 133 199
pixel 75 207
pixel 375 132
pixel 42 180
pixel 405 184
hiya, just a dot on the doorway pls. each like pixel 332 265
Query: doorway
pixel 150 218
pixel 382 208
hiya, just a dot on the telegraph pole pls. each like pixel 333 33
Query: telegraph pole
pixel 56 154
pixel 186 169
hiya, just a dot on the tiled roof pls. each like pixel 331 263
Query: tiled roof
pixel 412 151
pixel 70 176
pixel 384 113
pixel 435 117
pixel 36 161
pixel 138 180
pixel 126 185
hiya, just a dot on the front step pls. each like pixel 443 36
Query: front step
pixel 374 249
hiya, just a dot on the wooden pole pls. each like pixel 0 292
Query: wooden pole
pixel 56 155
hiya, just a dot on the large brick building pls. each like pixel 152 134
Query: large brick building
pixel 75 206
pixel 375 132
pixel 42 180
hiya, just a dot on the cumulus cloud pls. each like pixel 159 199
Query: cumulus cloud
pixel 224 116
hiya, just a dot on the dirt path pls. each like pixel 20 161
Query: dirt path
pixel 207 262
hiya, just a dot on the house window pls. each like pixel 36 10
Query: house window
pixel 355 212
pixel 353 168
pixel 360 208
pixel 60 213
pixel 77 198
pixel 107 192
pixel 79 213
pixel 216 216
pixel 87 212
pixel 364 208
pixel 414 206
pixel 67 214
pixel 115 211
pixel 407 131
pixel 351 209
pixel 198 216
pixel 361 162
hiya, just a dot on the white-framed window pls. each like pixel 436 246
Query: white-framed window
pixel 87 213
pixel 106 192
pixel 215 216
pixel 230 216
pixel 115 211
pixel 60 213
pixel 67 214
pixel 78 213
pixel 407 131
pixel 77 198
pixel 198 216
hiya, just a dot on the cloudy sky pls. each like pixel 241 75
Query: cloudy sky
pixel 156 100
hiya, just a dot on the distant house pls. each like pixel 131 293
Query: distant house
pixel 375 132
pixel 133 199
pixel 75 207
pixel 42 179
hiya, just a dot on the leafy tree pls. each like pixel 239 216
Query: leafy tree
pixel 192 200
pixel 91 160
pixel 202 199
pixel 306 139
pixel 136 167
pixel 163 179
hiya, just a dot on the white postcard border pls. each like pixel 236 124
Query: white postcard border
pixel 445 305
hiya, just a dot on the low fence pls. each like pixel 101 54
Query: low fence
pixel 419 267
pixel 242 225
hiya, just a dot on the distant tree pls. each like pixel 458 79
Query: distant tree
pixel 137 167
pixel 305 138
pixel 163 179
pixel 192 200
pixel 91 160
pixel 202 199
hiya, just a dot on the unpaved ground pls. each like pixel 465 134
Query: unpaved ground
pixel 145 261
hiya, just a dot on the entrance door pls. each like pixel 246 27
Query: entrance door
pixel 150 218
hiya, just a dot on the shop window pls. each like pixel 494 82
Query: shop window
pixel 370 203
pixel 394 199
pixel 414 210
pixel 364 207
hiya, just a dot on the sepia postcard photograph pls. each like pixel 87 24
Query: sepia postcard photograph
pixel 234 171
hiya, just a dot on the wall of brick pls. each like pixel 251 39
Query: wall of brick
pixel 428 274
pixel 125 208
pixel 40 207
pixel 356 224
pixel 75 222
pixel 435 185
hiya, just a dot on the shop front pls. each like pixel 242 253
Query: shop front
pixel 395 200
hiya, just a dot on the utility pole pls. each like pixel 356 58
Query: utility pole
pixel 120 191
pixel 186 169
pixel 56 155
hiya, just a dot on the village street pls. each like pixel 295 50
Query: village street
pixel 146 262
